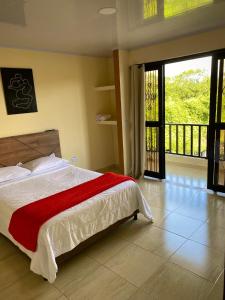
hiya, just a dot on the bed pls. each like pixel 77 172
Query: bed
pixel 75 227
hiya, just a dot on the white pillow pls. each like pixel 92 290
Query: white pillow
pixel 45 163
pixel 14 172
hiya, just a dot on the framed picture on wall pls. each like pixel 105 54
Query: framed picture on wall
pixel 18 86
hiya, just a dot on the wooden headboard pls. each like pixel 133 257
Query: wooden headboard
pixel 23 148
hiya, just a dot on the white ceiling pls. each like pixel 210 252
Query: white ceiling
pixel 75 26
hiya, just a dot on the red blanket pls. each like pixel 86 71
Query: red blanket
pixel 26 221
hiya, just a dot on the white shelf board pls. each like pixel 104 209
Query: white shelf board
pixel 110 122
pixel 105 88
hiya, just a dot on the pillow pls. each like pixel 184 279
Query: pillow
pixel 14 172
pixel 44 163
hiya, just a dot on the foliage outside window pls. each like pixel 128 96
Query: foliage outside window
pixel 172 8
pixel 187 101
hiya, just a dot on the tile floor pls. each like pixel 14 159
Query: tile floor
pixel 179 256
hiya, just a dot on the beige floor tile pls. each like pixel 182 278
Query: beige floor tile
pixel 159 214
pixel 29 287
pixel 106 248
pixel 131 230
pixel 74 270
pixel 186 181
pixel 201 206
pixel 210 235
pixel 168 200
pixel 153 191
pixel 171 282
pixel 218 218
pixel 7 248
pixel 199 259
pixel 140 295
pixel 221 199
pixel 98 285
pixel 175 196
pixel 12 269
pixel 150 186
pixel 180 225
pixel 62 298
pixel 217 291
pixel 210 195
pixel 159 241
pixel 135 264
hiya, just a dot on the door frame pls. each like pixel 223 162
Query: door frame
pixel 213 53
pixel 160 124
pixel 214 126
pixel 185 57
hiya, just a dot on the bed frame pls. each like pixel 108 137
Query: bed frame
pixel 23 148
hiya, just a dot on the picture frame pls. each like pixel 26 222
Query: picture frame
pixel 19 90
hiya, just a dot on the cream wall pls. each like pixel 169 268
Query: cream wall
pixel 198 43
pixel 66 100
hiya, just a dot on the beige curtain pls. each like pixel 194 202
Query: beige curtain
pixel 137 121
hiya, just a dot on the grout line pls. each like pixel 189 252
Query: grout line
pixel 193 273
pixel 61 292
pixel 139 289
pixel 5 288
pixel 105 266
pixel 184 237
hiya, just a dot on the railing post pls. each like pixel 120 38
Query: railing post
pixel 170 137
pixel 191 140
pixel 199 140
pixel 177 139
pixel 207 134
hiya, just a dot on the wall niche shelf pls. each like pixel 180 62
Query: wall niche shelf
pixel 111 103
pixel 110 122
pixel 105 88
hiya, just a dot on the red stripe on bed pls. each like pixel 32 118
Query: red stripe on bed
pixel 26 221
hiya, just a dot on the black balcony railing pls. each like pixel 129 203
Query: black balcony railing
pixel 186 139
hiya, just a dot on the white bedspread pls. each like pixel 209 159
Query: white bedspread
pixel 65 231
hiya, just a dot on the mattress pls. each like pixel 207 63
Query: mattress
pixel 68 229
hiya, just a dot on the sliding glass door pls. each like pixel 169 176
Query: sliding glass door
pixel 155 121
pixel 216 138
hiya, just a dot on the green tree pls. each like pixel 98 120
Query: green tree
pixel 187 97
pixel 187 101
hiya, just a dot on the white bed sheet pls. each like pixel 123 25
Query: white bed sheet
pixel 65 231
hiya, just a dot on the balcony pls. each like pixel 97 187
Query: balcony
pixel 186 150
pixel 185 146
pixel 186 139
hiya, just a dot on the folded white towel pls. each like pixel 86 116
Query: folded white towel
pixel 103 117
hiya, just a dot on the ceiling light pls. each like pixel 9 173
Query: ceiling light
pixel 106 11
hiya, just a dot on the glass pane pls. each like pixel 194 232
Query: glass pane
pixel 150 9
pixel 152 149
pixel 220 158
pixel 176 7
pixel 220 115
pixel 171 8
pixel 203 141
pixel 151 96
